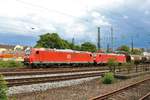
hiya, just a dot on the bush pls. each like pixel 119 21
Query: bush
pixel 3 89
pixel 112 64
pixel 2 64
pixel 10 64
pixel 108 78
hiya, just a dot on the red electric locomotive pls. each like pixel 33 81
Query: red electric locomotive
pixel 103 58
pixel 46 57
pixel 41 56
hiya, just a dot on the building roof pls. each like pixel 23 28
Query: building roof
pixel 10 46
pixel 7 46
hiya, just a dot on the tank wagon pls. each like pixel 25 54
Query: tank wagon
pixel 136 59
pixel 146 57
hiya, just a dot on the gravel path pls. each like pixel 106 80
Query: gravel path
pixel 84 91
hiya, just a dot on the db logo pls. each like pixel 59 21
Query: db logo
pixel 68 56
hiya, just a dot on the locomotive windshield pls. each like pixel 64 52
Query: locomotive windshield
pixel 27 51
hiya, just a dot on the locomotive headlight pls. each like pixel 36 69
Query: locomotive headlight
pixel 132 58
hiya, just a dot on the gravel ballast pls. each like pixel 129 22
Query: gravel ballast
pixel 46 86
pixel 84 91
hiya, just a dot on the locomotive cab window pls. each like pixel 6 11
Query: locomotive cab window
pixel 37 52
pixel 27 51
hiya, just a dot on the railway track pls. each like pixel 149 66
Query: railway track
pixel 119 93
pixel 26 76
pixel 145 97
pixel 59 68
pixel 47 71
pixel 51 68
pixel 35 80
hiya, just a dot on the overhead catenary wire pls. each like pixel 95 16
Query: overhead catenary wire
pixel 78 18
pixel 66 14
pixel 52 10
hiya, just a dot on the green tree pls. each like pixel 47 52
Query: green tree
pixel 87 46
pixel 124 48
pixel 52 40
pixel 77 47
pixel 137 51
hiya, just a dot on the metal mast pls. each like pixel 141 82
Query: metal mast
pixel 99 40
pixel 112 39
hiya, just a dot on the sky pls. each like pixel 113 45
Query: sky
pixel 22 21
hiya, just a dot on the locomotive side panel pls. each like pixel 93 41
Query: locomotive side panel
pixel 53 57
pixel 121 58
pixel 104 58
pixel 82 57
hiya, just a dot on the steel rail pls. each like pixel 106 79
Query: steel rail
pixel 47 72
pixel 27 81
pixel 145 96
pixel 105 96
